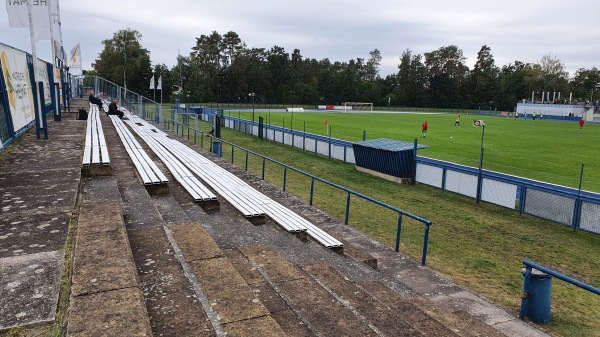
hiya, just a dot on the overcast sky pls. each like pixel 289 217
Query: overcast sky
pixel 523 30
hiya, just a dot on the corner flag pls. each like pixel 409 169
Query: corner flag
pixel 478 122
pixel 326 122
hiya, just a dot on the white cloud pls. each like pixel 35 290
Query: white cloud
pixel 339 30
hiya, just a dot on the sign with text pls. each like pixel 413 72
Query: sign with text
pixel 18 86
pixel 18 17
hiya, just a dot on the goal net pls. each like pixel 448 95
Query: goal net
pixel 358 106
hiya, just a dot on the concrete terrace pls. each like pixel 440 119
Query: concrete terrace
pixel 159 264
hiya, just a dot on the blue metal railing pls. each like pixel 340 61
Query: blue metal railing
pixel 169 123
pixel 526 282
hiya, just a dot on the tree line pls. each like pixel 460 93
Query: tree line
pixel 221 68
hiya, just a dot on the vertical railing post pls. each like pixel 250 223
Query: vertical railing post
pixel 522 199
pixel 312 190
pixel 246 167
pixel 577 209
pixel 263 168
pixel 425 243
pixel 398 231
pixel 284 177
pixel 195 135
pixel 347 209
pixel 232 151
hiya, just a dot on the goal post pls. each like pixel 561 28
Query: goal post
pixel 357 106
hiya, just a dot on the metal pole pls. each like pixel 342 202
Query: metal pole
pixel 398 231
pixel 577 213
pixel 580 180
pixel 125 67
pixel 38 124
pixel 480 164
pixel 312 190
pixel 414 177
pixel 347 209
pixel 425 242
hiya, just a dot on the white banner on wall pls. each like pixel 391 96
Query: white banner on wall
pixel 19 18
pixel 75 61
pixel 18 86
pixel 43 77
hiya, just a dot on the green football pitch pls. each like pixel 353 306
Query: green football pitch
pixel 546 150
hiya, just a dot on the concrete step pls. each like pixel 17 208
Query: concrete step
pixel 173 308
pixel 318 310
pixel 105 296
pixel 278 308
pixel 425 314
pixel 382 318
pixel 239 311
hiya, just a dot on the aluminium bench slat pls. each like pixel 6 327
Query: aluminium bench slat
pixel 144 164
pixel 283 218
pixel 87 152
pixel 190 183
pixel 322 236
pixel 147 169
pixel 94 143
pixel 234 196
pixel 87 156
pixel 240 204
pixel 105 159
pixel 146 178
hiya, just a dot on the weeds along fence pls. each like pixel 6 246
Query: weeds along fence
pixel 184 125
pixel 568 206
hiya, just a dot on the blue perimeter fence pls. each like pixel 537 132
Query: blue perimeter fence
pixel 568 206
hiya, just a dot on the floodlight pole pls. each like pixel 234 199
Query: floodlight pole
pixel 479 177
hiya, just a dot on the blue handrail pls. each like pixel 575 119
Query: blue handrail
pixel 170 123
pixel 562 277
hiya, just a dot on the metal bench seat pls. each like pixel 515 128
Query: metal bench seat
pixel 286 219
pixel 237 192
pixel 186 178
pixel 147 169
pixel 95 150
pixel 234 196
